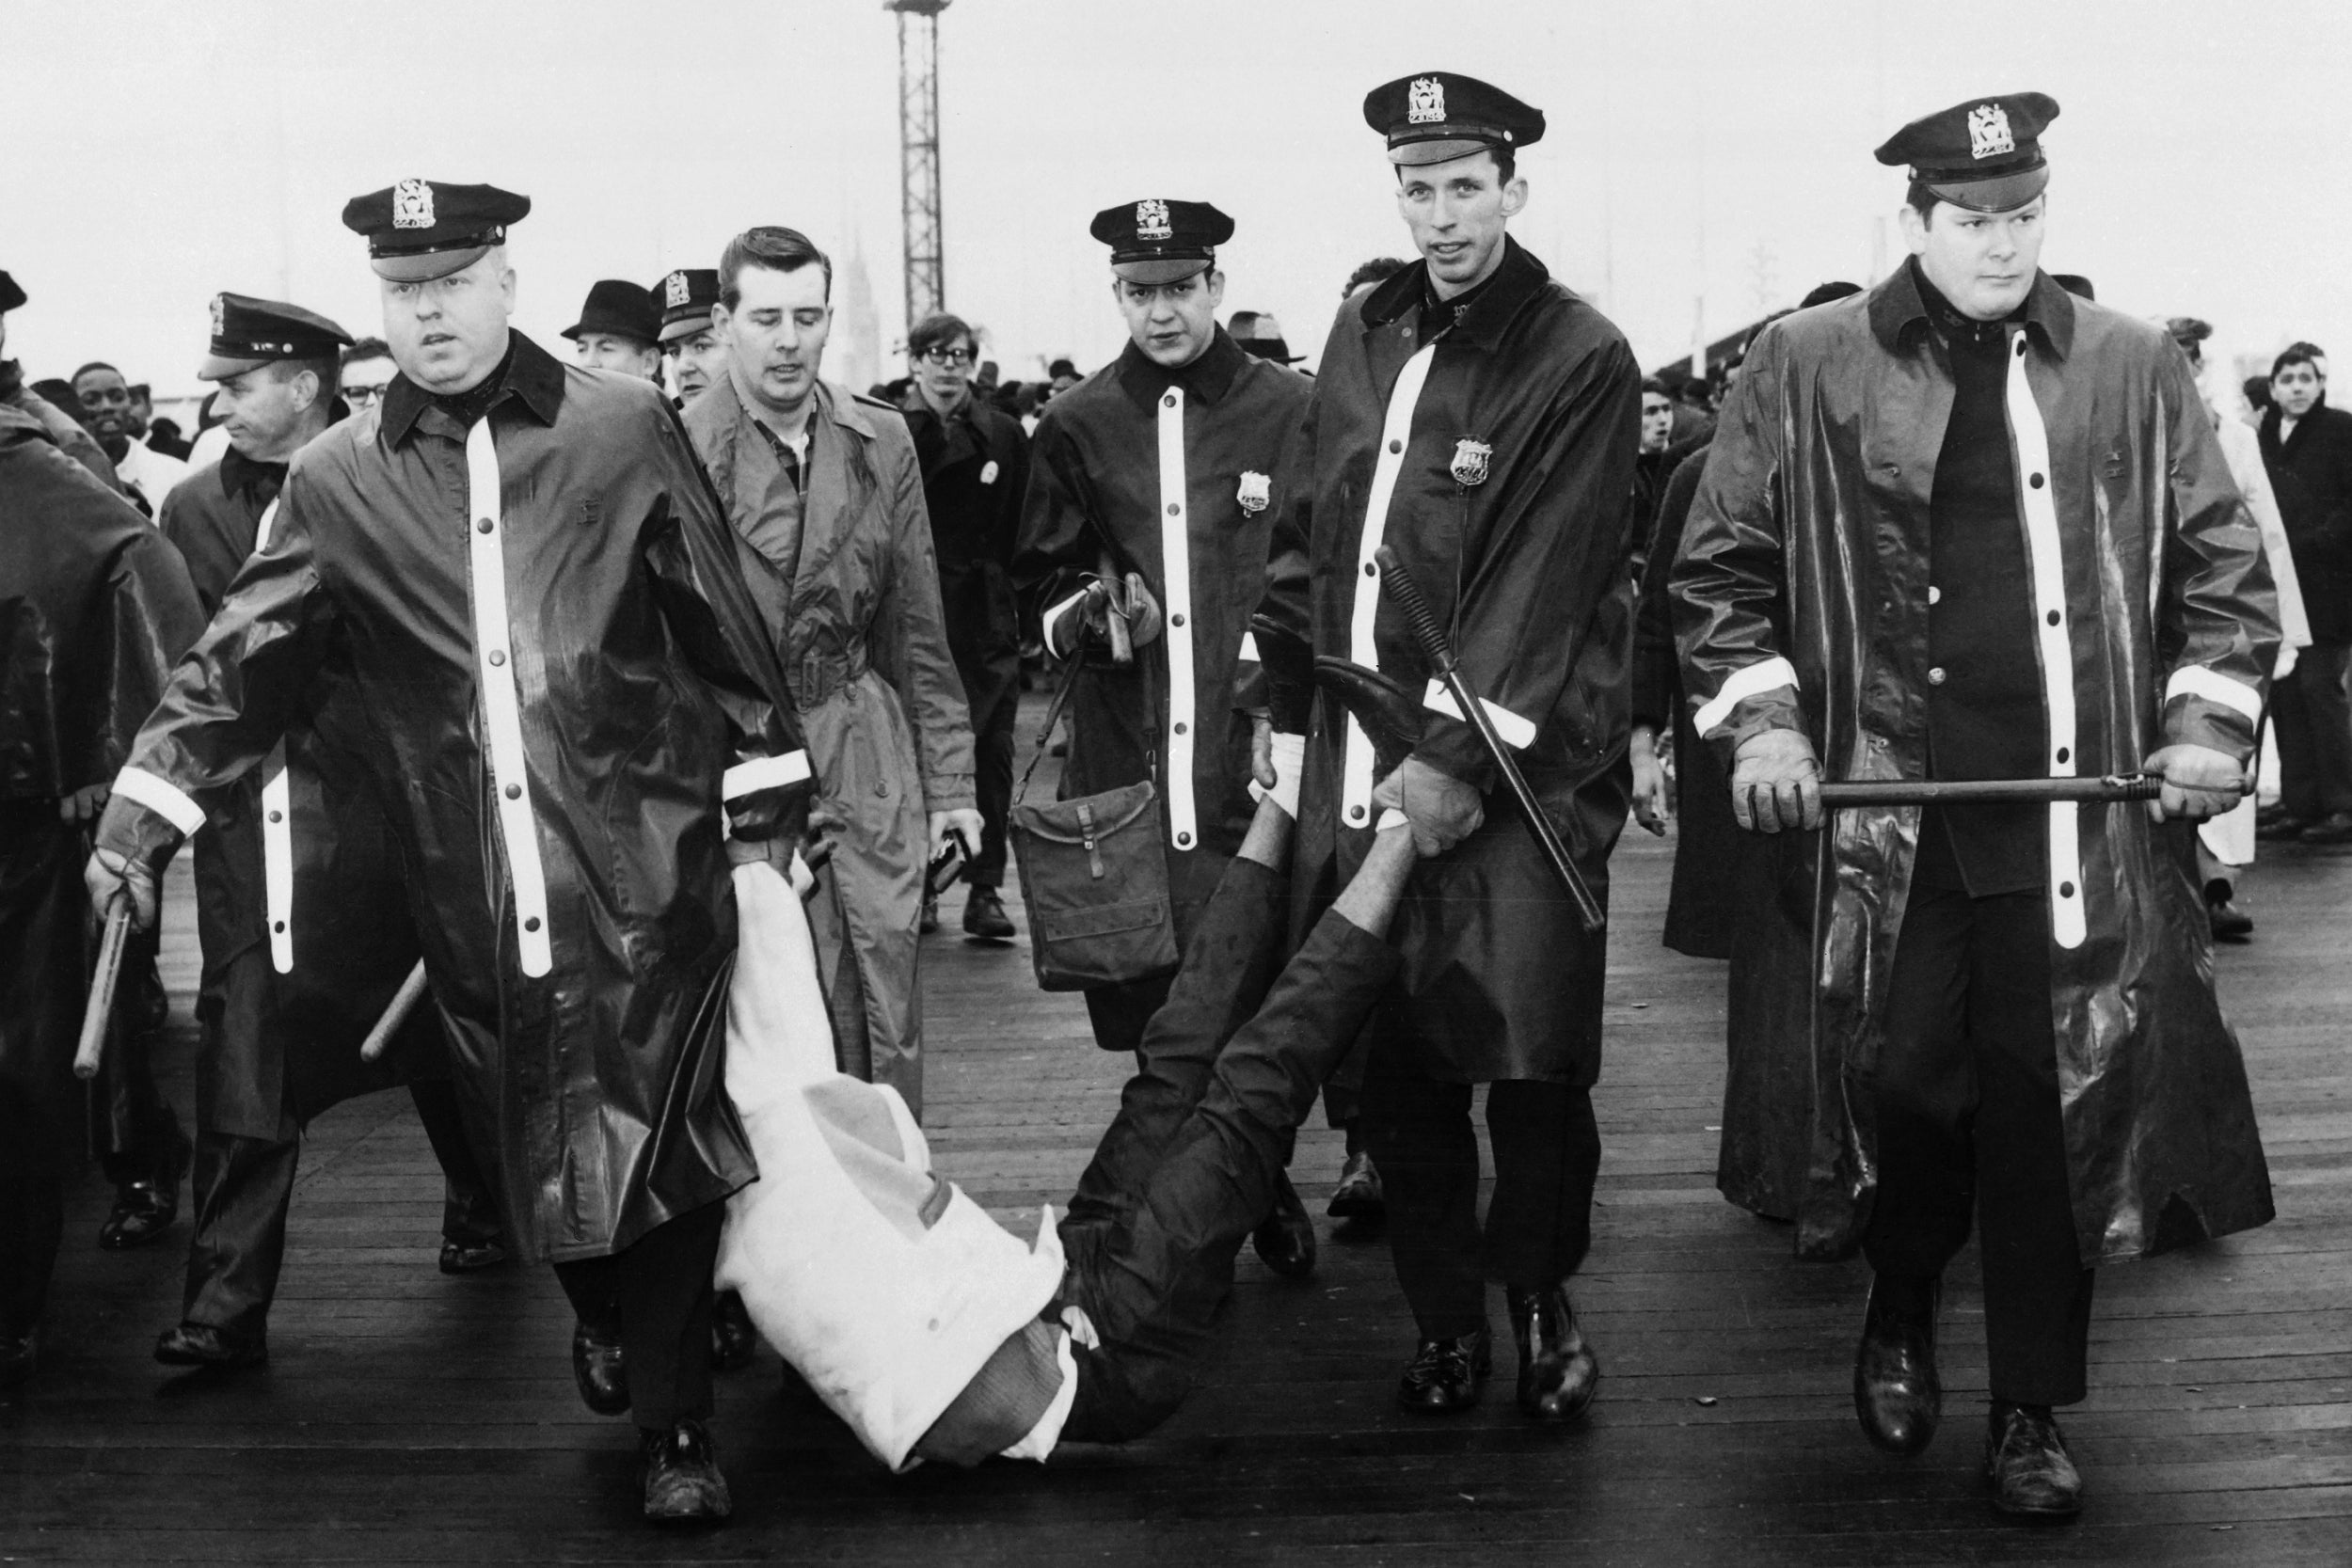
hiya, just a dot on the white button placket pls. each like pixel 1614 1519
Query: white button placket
pixel 1396 430
pixel 2037 488
pixel 1176 575
pixel 501 706
pixel 276 820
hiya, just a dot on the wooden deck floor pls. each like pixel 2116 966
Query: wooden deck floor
pixel 408 1417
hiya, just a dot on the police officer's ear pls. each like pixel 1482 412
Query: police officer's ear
pixel 1216 289
pixel 1514 195
pixel 306 384
pixel 1915 224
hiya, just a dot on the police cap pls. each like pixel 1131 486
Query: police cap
pixel 1160 241
pixel 1983 153
pixel 620 308
pixel 686 297
pixel 248 333
pixel 10 296
pixel 420 229
pixel 1436 117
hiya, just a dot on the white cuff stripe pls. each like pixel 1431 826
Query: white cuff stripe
pixel 1765 675
pixel 161 797
pixel 1516 733
pixel 746 778
pixel 2195 680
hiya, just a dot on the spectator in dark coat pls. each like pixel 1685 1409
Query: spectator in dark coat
pixel 2307 446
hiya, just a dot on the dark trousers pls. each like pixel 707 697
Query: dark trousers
pixel 32 1208
pixel 1547 1153
pixel 2312 715
pixel 991 782
pixel 1189 1167
pixel 243 1187
pixel 44 976
pixel 654 1296
pixel 1967 1105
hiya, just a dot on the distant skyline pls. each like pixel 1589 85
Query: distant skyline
pixel 1709 150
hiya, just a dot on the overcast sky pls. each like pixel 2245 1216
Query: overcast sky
pixel 1699 150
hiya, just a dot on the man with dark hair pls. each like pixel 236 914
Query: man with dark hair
pixel 1479 420
pixel 300 907
pixel 147 475
pixel 1378 269
pixel 1970 527
pixel 367 370
pixel 1059 377
pixel 2307 448
pixel 59 417
pixel 569 704
pixel 617 330
pixel 1159 470
pixel 826 497
pixel 976 467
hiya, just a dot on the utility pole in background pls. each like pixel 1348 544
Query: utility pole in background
pixel 918 153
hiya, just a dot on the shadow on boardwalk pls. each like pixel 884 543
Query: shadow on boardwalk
pixel 410 1417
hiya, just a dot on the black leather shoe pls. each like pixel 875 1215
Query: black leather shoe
pixel 18 1355
pixel 2281 827
pixel 1897 1394
pixel 202 1345
pixel 598 1369
pixel 1446 1374
pixel 2026 1461
pixel 984 917
pixel 1359 1195
pixel 472 1257
pixel 144 1210
pixel 733 1339
pixel 1392 717
pixel 930 922
pixel 2229 923
pixel 683 1484
pixel 1558 1372
pixel 2334 828
pixel 1286 1239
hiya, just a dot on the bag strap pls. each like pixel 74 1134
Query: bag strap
pixel 1062 701
pixel 1053 716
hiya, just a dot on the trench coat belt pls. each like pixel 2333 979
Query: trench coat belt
pixel 277 876
pixel 827 672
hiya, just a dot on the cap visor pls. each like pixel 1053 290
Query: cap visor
pixel 677 331
pixel 2003 195
pixel 1156 272
pixel 426 267
pixel 214 367
pixel 1443 150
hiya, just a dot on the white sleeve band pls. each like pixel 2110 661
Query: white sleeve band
pixel 161 797
pixel 747 778
pixel 1765 675
pixel 1516 733
pixel 1290 761
pixel 2195 680
pixel 1053 618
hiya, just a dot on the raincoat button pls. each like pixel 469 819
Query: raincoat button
pixel 2066 890
pixel 497 656
pixel 1175 507
pixel 1396 445
pixel 1183 841
pixel 514 792
pixel 278 817
pixel 2021 345
pixel 484 526
pixel 532 925
pixel 1180 729
pixel 1167 402
pixel 2035 482
pixel 1371 570
pixel 278 926
pixel 1935 676
pixel 2063 752
pixel 1355 814
pixel 1176 620
pixel 1936 596
pixel 2052 617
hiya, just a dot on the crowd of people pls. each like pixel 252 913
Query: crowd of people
pixel 638 710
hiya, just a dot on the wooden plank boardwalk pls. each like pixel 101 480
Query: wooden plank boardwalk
pixel 410 1417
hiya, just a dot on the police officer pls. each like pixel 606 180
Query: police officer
pixel 1480 421
pixel 1970 526
pixel 689 344
pixel 617 330
pixel 300 908
pixel 567 685
pixel 1162 466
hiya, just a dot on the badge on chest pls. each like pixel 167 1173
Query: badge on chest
pixel 1469 461
pixel 1256 492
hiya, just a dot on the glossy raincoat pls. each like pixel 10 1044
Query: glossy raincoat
pixel 1497 461
pixel 95 606
pixel 553 765
pixel 1802 602
pixel 854 618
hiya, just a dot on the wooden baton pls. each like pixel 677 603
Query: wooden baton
pixel 1937 792
pixel 92 1047
pixel 396 1013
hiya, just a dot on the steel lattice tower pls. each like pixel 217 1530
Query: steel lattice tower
pixel 918 152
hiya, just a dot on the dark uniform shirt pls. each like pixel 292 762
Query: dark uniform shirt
pixel 1985 718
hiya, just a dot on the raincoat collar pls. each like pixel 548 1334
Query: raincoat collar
pixel 1205 378
pixel 239 472
pixel 1483 321
pixel 531 376
pixel 1897 304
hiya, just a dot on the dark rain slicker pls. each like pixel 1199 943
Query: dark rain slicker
pixel 353 941
pixel 1524 560
pixel 95 606
pixel 641 676
pixel 1809 543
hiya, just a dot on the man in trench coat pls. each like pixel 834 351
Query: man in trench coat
pixel 540 604
pixel 300 908
pixel 1480 419
pixel 1966 527
pixel 826 498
